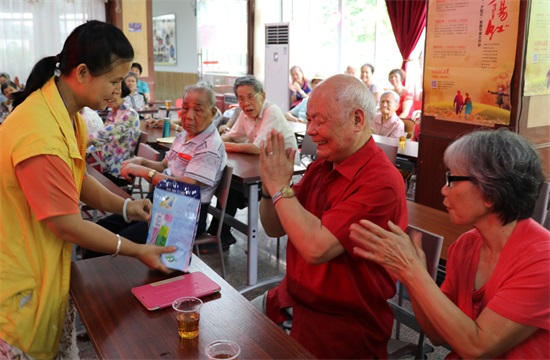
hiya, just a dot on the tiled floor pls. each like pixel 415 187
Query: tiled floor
pixel 268 266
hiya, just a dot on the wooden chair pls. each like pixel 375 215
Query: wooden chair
pixel 146 152
pixel 141 140
pixel 222 193
pixel 308 149
pixel 398 349
pixel 409 127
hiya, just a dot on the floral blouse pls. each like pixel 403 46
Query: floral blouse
pixel 117 141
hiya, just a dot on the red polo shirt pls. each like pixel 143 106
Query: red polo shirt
pixel 340 308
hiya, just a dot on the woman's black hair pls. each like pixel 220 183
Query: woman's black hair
pixel 97 44
pixel 124 90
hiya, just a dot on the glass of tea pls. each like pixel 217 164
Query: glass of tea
pixel 223 349
pixel 188 314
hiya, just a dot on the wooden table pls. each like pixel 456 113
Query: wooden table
pixel 148 111
pixel 409 151
pixel 119 327
pixel 437 222
pixel 154 133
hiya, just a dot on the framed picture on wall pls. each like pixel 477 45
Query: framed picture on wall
pixel 164 39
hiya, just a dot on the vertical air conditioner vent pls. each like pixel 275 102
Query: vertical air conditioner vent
pixel 276 34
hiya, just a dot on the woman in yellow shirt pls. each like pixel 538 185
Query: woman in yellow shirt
pixel 42 151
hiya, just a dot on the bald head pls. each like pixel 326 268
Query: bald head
pixel 347 93
pixel 340 111
pixel 350 70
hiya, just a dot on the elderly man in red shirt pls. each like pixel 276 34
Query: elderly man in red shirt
pixel 338 302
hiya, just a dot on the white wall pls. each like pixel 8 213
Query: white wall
pixel 266 11
pixel 186 34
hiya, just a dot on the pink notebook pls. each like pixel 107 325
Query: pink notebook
pixel 161 294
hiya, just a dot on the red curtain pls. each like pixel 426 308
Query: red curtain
pixel 408 19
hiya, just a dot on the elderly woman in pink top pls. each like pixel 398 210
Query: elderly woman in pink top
pixel 386 122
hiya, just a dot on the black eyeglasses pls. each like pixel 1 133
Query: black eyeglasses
pixel 452 178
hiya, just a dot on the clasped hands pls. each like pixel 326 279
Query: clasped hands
pixel 276 163
pixel 296 88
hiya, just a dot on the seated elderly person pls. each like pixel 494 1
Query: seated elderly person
pixel 199 142
pixel 135 99
pixel 175 124
pixel 339 302
pixel 299 87
pixel 387 123
pixel 493 303
pixel 298 113
pixel 350 70
pixel 256 120
pixel 117 140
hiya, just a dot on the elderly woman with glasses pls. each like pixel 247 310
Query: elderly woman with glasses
pixel 257 118
pixel 494 302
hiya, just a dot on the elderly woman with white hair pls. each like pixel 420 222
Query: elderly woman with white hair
pixel 494 300
pixel 386 122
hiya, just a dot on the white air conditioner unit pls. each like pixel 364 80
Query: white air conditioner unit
pixel 277 64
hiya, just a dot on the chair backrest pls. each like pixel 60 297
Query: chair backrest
pixel 543 202
pixel 431 244
pixel 409 127
pixel 390 150
pixel 141 140
pixel 308 146
pixel 222 194
pixel 147 152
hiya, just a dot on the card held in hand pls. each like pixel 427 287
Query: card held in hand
pixel 174 221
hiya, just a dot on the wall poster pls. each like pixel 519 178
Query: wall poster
pixel 537 59
pixel 164 39
pixel 470 56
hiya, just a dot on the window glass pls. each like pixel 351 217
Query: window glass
pixel 326 36
pixel 31 30
pixel 222 36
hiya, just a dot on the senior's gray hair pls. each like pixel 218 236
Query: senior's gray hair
pixel 250 81
pixel 351 93
pixel 506 168
pixel 396 96
pixel 203 87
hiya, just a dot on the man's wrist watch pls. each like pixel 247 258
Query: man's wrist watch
pixel 151 175
pixel 286 192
